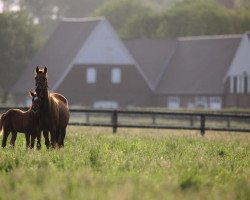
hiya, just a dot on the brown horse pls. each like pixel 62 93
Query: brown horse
pixel 15 120
pixel 54 111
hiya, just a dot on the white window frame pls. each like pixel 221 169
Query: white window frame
pixel 239 84
pixel 173 102
pixel 91 75
pixel 231 84
pixel 104 104
pixel 201 102
pixel 116 75
pixel 215 102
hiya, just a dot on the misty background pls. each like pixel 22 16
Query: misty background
pixel 26 24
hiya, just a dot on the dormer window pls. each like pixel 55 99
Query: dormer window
pixel 116 75
pixel 91 75
pixel 245 83
pixel 240 84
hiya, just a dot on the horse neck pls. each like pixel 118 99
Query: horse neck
pixel 46 100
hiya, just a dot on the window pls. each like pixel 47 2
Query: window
pixel 231 84
pixel 248 84
pixel 91 75
pixel 105 105
pixel 245 89
pixel 173 102
pixel 116 75
pixel 215 103
pixel 200 102
pixel 234 84
pixel 240 84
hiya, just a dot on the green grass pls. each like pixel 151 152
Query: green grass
pixel 133 164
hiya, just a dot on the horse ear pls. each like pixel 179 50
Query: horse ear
pixel 45 70
pixel 32 94
pixel 37 69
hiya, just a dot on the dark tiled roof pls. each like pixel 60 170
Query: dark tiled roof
pixel 152 55
pixel 58 52
pixel 199 65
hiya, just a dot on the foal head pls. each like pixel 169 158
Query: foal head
pixel 35 103
pixel 41 81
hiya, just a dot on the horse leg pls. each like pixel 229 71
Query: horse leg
pixel 62 136
pixel 53 137
pixel 46 137
pixel 33 137
pixel 38 144
pixel 5 137
pixel 13 139
pixel 27 136
pixel 58 134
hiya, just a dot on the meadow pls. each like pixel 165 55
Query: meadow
pixel 132 164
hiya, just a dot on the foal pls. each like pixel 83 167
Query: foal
pixel 15 120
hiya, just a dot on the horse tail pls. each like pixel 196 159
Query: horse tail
pixel 1 123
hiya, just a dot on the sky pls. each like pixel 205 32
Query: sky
pixel 13 7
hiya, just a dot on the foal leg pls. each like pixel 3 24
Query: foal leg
pixel 46 137
pixel 13 139
pixel 5 137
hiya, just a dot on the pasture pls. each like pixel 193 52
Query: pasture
pixel 132 164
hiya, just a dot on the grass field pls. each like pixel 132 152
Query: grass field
pixel 133 164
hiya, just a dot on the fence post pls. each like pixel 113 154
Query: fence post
pixel 114 121
pixel 202 127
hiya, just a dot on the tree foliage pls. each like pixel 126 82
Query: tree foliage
pixel 18 43
pixel 49 12
pixel 120 12
pixel 196 18
pixel 141 26
pixel 151 18
pixel 189 18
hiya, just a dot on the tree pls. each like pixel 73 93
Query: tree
pixel 18 43
pixel 46 13
pixel 197 17
pixel 242 3
pixel 6 4
pixel 141 26
pixel 244 15
pixel 120 12
pixel 80 8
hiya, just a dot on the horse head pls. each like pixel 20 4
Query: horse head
pixel 41 81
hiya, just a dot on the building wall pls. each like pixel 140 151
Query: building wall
pixel 236 99
pixel 132 91
pixel 189 101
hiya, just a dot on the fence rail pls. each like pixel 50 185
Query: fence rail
pixel 158 120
